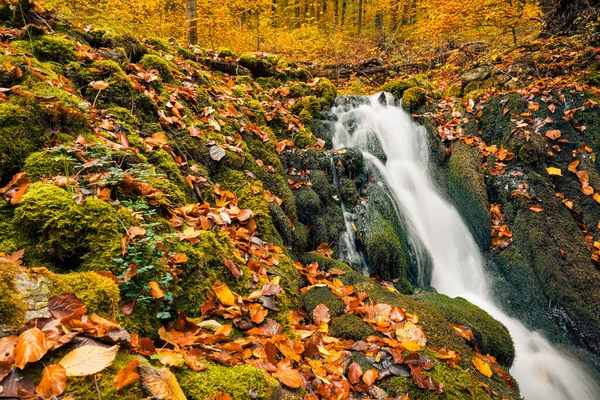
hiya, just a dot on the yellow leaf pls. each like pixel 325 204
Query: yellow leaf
pixel 482 367
pixel 223 293
pixel 88 360
pixel 160 383
pixel 554 171
pixel 411 346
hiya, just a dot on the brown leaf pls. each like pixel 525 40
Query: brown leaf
pixel 160 383
pixel 289 377
pixel 65 304
pixel 553 134
pixel 88 359
pixel 231 266
pixel 54 380
pixel 128 375
pixel 321 314
pixel 31 346
pixel 135 231
pixel 245 215
pixel 7 350
pixel 354 373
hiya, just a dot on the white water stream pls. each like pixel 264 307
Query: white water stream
pixel 541 370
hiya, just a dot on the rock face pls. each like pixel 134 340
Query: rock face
pixel 477 74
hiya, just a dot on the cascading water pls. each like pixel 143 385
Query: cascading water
pixel 542 371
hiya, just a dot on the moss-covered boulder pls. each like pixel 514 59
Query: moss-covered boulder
pixel 491 336
pixel 467 190
pixel 313 297
pixel 350 326
pixel 412 98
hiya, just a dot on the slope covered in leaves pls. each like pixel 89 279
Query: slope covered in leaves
pixel 168 217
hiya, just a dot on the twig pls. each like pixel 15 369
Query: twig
pixel 97 388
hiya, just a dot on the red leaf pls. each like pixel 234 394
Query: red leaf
pixel 354 373
pixel 231 266
pixel 65 304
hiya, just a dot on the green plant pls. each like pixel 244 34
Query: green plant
pixel 147 260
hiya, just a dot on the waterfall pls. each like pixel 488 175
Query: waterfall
pixel 542 371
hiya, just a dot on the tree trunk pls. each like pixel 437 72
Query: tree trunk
pixel 564 13
pixel 192 22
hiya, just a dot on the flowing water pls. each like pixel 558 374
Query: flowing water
pixel 542 371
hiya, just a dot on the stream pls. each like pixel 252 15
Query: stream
pixel 435 227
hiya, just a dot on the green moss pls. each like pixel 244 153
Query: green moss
pixel 259 65
pixel 326 91
pixel 395 87
pixel 21 133
pixel 49 48
pixel 278 186
pixel 174 185
pixel 133 48
pixel 11 306
pixel 492 337
pixel 315 296
pixel 308 205
pixel 350 326
pixel 327 227
pixel 153 61
pixel 349 193
pixel 281 223
pixel 57 230
pixel 453 91
pixel 100 294
pixel 458 384
pixel 84 388
pixel 235 381
pixel 412 98
pixel 45 164
pixel 321 185
pixel 467 190
pixel 159 43
pixel 224 52
pixel 308 108
pixel 299 89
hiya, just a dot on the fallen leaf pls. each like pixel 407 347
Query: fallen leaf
pixel 223 293
pixel 233 268
pixel 128 375
pixel 536 208
pixel 160 383
pixel 99 85
pixel 354 373
pixel 65 304
pixel 88 359
pixel 155 290
pixel 321 314
pixel 31 346
pixel 553 134
pixel 54 380
pixel 289 377
pixel 554 171
pixel 216 153
pixel 370 376
pixel 482 367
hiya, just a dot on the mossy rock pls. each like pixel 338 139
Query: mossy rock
pixel 224 52
pixel 238 382
pixel 100 294
pixel 22 132
pixel 352 327
pixel 326 91
pixel 134 49
pixel 57 231
pixel 308 205
pixel 260 66
pixel 49 48
pixel 153 61
pixel 315 296
pixel 467 190
pixel 299 89
pixel 349 193
pixel 327 226
pixel 412 98
pixel 46 164
pixel 161 44
pixel 492 336
pixel 396 87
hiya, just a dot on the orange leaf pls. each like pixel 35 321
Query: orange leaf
pixel 536 208
pixel 128 375
pixel 321 314
pixel 597 197
pixel 135 231
pixel 370 376
pixel 155 290
pixel 54 380
pixel 160 383
pixel 289 377
pixel 31 346
pixel 553 134
pixel 573 166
